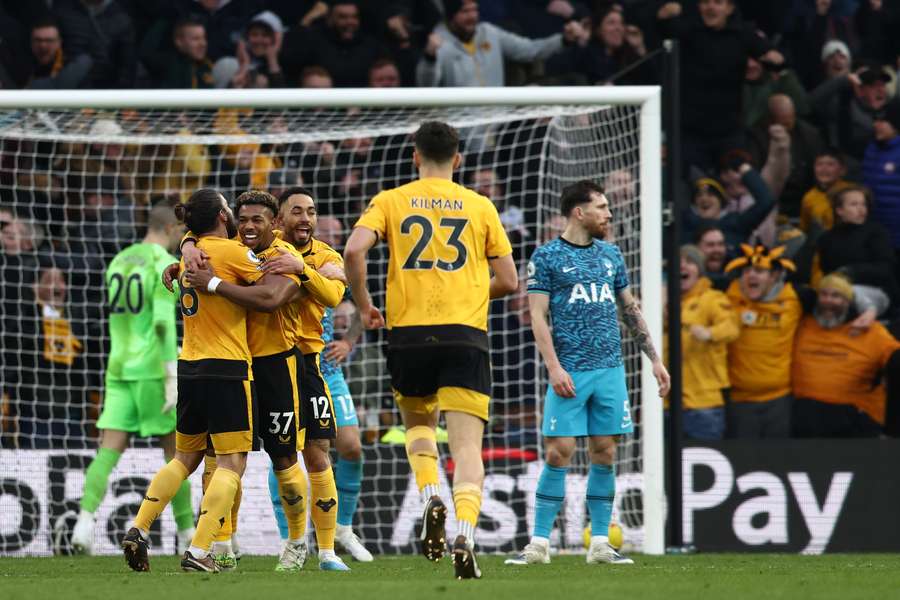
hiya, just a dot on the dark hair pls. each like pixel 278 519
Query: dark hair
pixel 293 191
pixel 264 25
pixel 334 3
pixel 578 193
pixel 258 198
pixel 834 153
pixel 45 21
pixel 837 197
pixel 314 70
pixel 201 211
pixel 188 21
pixel 734 158
pixel 436 141
pixel 704 230
pixel 383 62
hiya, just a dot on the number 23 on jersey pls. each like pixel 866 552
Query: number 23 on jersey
pixel 420 225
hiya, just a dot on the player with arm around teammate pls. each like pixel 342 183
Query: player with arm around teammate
pixel 273 323
pixel 216 395
pixel 349 466
pixel 320 272
pixel 443 241
pixel 580 283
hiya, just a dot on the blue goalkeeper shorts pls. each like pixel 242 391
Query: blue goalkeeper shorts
pixel 344 410
pixel 600 406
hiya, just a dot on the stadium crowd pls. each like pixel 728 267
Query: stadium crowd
pixel 790 280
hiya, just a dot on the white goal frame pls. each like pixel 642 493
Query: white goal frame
pixel 647 98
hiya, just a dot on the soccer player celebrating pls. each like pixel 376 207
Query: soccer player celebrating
pixel 578 280
pixel 215 391
pixel 141 386
pixel 273 325
pixel 443 240
pixel 349 466
pixel 298 218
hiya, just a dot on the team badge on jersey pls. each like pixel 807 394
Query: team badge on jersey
pixel 609 268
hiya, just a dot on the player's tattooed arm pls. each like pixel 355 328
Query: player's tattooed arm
pixel 637 327
pixel 634 322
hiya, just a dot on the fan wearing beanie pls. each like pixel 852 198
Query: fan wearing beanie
pixel 837 388
pixel 464 52
pixel 710 199
pixel 708 325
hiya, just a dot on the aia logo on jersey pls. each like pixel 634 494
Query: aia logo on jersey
pixel 591 294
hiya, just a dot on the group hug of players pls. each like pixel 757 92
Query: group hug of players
pixel 249 369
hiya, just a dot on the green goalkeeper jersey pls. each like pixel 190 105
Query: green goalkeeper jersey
pixel 141 314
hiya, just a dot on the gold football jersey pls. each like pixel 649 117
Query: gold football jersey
pixel 316 254
pixel 275 332
pixel 215 329
pixel 440 237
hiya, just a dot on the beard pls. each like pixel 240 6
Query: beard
pixel 601 232
pixel 715 263
pixel 829 319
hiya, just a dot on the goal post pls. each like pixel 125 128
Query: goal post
pixel 535 140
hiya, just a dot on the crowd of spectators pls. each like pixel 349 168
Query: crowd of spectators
pixel 791 168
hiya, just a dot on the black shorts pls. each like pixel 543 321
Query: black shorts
pixel 318 410
pixel 422 371
pixel 277 379
pixel 223 408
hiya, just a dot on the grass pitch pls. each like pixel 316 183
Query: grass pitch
pixel 701 576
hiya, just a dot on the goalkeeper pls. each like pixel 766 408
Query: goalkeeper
pixel 141 385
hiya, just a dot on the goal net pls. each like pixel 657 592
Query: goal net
pixel 76 186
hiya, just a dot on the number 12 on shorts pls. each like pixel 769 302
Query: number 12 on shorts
pixel 321 407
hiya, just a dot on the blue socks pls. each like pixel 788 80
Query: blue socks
pixel 347 478
pixel 601 490
pixel 549 496
pixel 276 504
